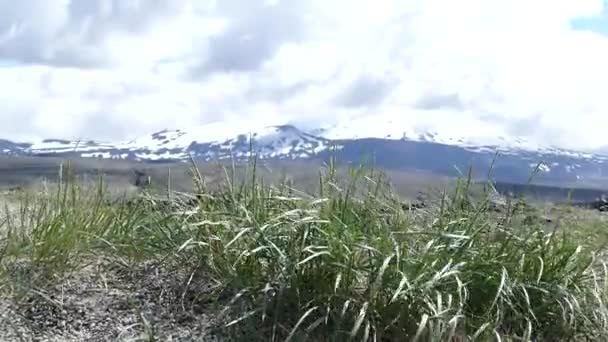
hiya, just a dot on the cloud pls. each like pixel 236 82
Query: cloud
pixel 256 30
pixel 440 101
pixel 365 91
pixel 76 33
pixel 116 69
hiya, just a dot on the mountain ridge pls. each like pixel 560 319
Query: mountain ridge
pixel 392 143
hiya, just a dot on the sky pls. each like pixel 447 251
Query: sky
pixel 118 69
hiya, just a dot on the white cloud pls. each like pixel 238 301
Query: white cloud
pixel 115 69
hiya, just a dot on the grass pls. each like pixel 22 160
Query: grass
pixel 343 263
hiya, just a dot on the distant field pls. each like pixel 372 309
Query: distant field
pixel 26 171
pixel 30 171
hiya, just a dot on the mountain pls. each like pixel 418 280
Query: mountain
pixel 393 144
pixel 10 148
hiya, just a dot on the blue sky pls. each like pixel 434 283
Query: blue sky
pixel 598 23
pixel 116 69
pixel 8 63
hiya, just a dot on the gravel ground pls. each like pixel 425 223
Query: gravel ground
pixel 98 304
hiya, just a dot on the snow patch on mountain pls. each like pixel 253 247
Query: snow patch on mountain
pixel 214 140
pixel 216 132
pixel 479 138
pixel 541 167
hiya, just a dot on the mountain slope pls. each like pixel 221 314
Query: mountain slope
pixel 390 142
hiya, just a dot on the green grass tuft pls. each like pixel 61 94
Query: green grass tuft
pixel 345 263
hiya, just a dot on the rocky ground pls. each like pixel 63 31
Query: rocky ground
pixel 102 304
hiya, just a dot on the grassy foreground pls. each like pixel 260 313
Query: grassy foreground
pixel 271 263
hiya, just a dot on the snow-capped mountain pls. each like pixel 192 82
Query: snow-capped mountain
pixel 392 143
pixel 213 141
